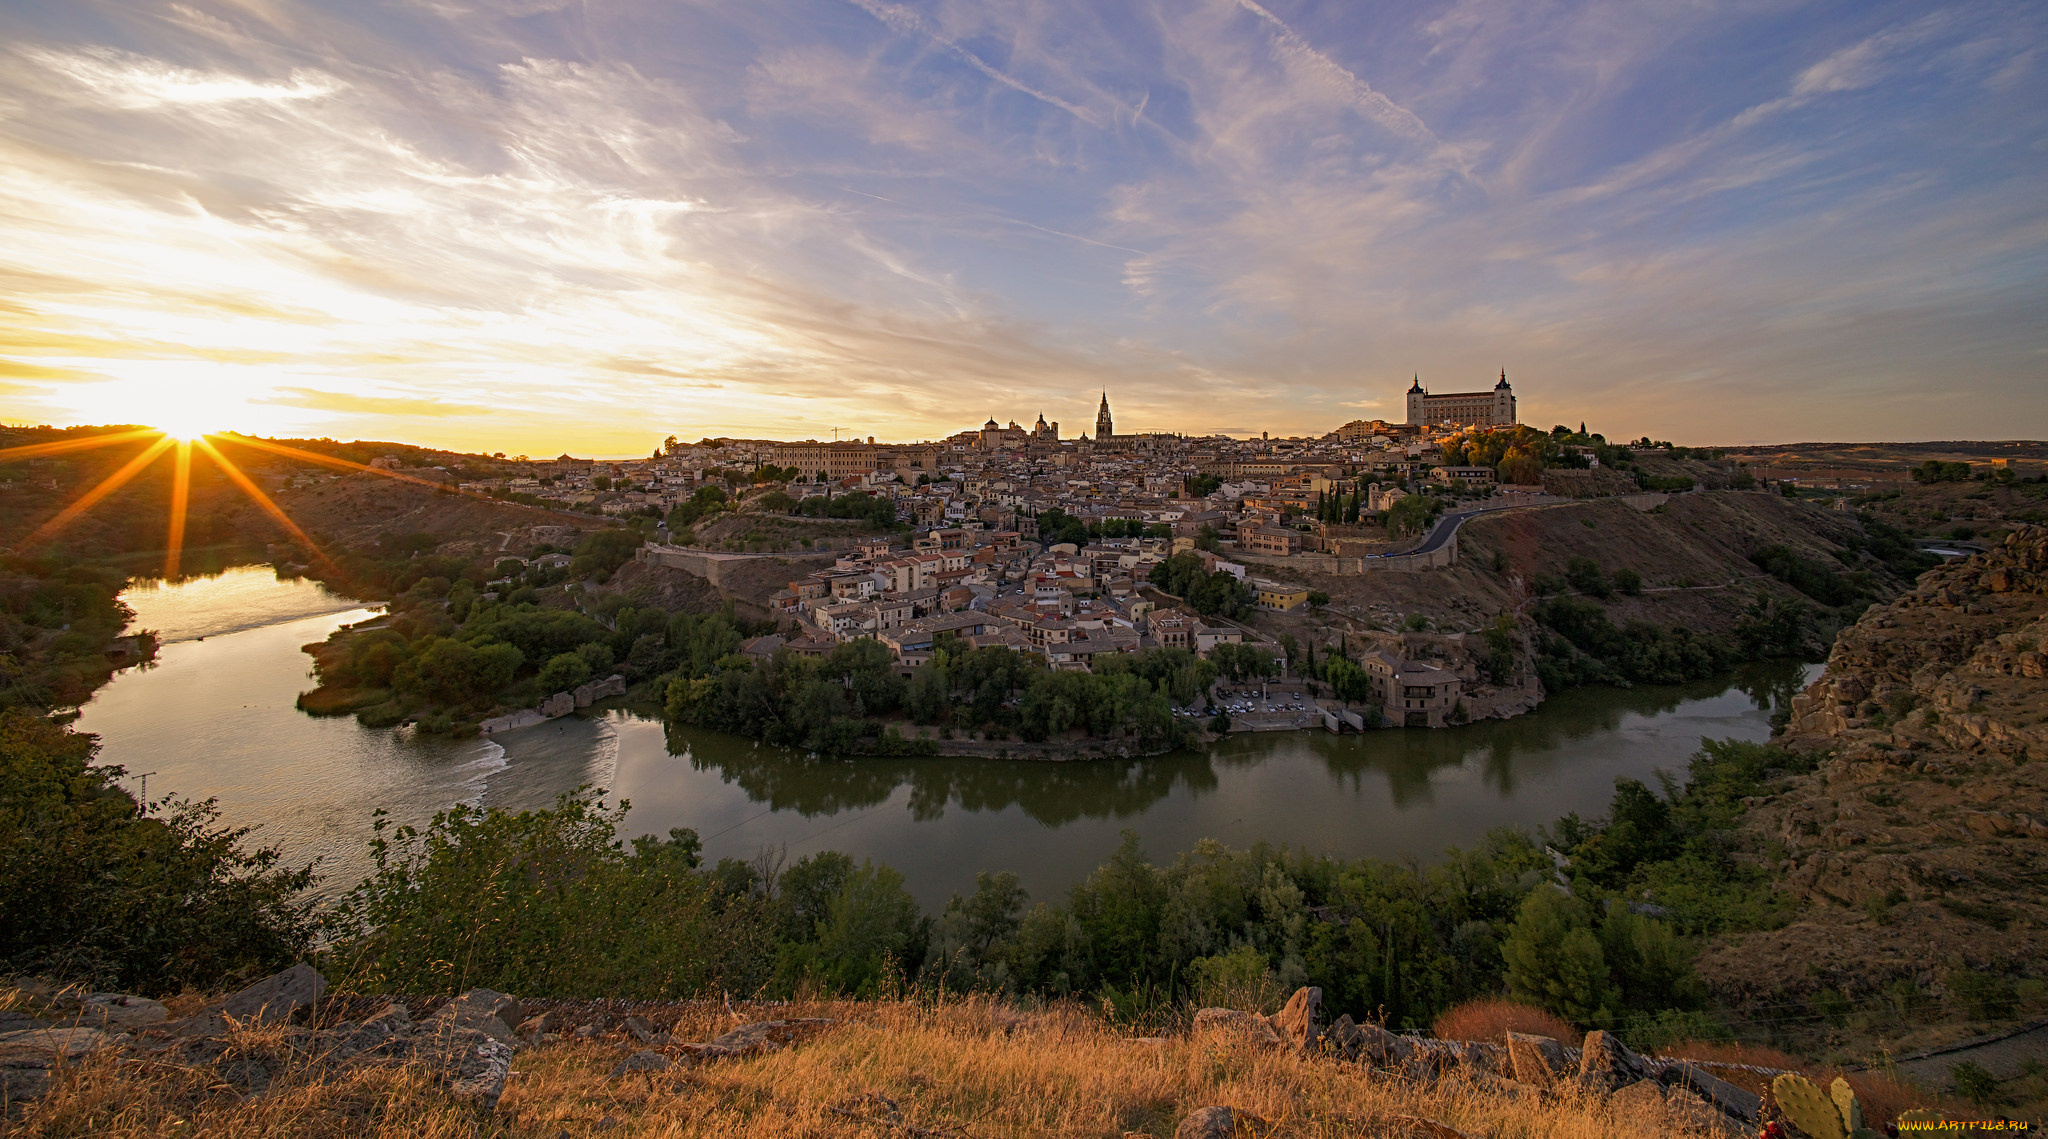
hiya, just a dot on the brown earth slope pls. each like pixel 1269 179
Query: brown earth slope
pixel 353 511
pixel 1692 553
pixel 1919 850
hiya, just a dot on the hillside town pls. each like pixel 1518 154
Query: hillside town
pixel 1020 537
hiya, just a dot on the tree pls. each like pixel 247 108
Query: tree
pixel 564 672
pixel 1412 514
pixel 1584 575
pixel 142 898
pixel 1628 581
pixel 870 928
pixel 1554 959
pixel 449 671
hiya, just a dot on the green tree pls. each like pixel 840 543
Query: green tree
pixel 564 672
pixel 450 671
pixel 1554 959
pixel 1412 514
pixel 544 903
pixel 101 889
pixel 870 929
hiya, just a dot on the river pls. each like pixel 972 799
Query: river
pixel 214 717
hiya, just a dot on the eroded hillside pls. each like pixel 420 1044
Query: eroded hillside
pixel 1918 850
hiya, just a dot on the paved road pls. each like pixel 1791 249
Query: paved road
pixel 1447 525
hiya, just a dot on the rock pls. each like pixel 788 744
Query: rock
pixel 644 1032
pixel 1236 1026
pixel 392 1018
pixel 1219 1123
pixel 560 704
pixel 644 1060
pixel 1537 1060
pixel 1643 1101
pixel 1296 1023
pixel 1734 1102
pixel 1368 1044
pixel 534 1027
pixel 1605 1063
pixel 119 1012
pixel 21 1082
pixel 15 1020
pixel 760 1036
pixel 487 1011
pixel 273 1000
pixel 1685 1111
pixel 480 1079
pixel 62 1042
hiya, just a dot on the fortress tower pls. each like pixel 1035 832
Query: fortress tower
pixel 1479 409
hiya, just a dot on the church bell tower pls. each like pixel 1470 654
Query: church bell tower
pixel 1104 428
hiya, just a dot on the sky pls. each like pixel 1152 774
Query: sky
pixel 537 226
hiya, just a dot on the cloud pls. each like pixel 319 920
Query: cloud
pixel 359 403
pixel 537 227
pixel 1376 106
pixel 130 82
pixel 905 21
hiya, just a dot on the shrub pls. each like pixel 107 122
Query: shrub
pixel 1758 1055
pixel 149 899
pixel 546 903
pixel 1491 1018
pixel 1974 1082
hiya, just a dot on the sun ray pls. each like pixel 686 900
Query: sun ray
pixel 347 465
pixel 181 489
pixel 261 499
pixel 38 450
pixel 107 486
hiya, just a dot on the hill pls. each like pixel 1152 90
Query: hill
pixel 1917 851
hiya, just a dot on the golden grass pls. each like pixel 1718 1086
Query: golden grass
pixel 966 1067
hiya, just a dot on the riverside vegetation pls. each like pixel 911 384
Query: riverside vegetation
pixel 554 903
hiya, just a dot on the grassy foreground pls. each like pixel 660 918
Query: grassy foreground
pixel 969 1067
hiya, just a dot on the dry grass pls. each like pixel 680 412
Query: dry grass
pixel 1491 1019
pixel 968 1068
pixel 1756 1054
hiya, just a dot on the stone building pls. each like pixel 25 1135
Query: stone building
pixel 1476 409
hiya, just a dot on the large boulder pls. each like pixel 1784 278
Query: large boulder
pixel 65 1043
pixel 1536 1060
pixel 1368 1044
pixel 119 1012
pixel 1605 1063
pixel 485 1010
pixel 481 1074
pixel 1735 1102
pixel 274 1000
pixel 1296 1023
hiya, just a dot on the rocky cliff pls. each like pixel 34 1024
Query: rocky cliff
pixel 1919 847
